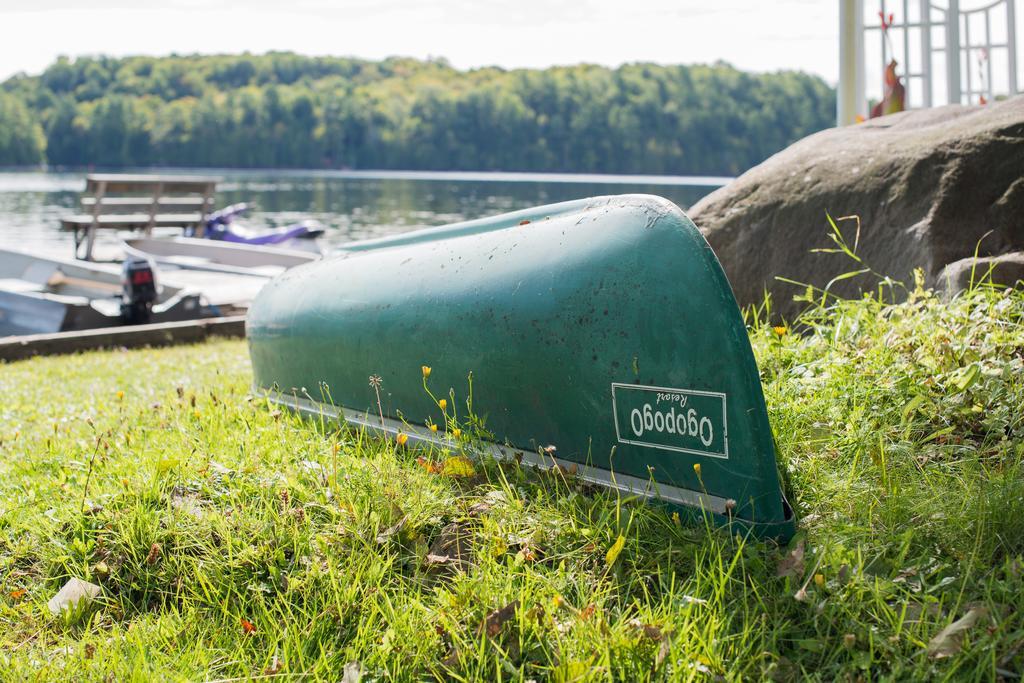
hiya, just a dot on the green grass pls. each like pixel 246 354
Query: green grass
pixel 199 510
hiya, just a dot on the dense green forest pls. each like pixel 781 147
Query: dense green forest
pixel 285 110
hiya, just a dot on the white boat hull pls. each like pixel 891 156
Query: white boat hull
pixel 190 253
pixel 41 295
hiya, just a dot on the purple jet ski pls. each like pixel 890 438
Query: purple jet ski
pixel 220 225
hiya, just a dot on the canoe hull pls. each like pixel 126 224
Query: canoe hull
pixel 605 328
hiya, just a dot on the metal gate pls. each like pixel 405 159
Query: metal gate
pixel 981 66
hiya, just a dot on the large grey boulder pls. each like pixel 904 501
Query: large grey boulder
pixel 927 185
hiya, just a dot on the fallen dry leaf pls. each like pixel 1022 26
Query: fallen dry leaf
pixel 274 668
pixel 187 503
pixel 792 565
pixel 527 553
pixel 353 673
pixel 949 640
pixel 458 466
pixel 452 660
pixel 690 600
pixel 496 619
pixel 393 530
pixel 656 634
pixel 783 670
pixel 429 465
pixel 479 508
pixel 649 630
pixel 451 548
pixel 72 594
pixel 495 497
pixel 663 651
pixel 916 611
pixel 615 550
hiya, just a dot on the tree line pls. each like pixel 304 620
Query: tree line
pixel 285 110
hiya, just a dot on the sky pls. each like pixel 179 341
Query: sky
pixel 757 35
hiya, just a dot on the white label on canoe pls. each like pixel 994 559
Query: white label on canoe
pixel 681 420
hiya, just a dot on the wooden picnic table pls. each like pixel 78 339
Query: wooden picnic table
pixel 139 202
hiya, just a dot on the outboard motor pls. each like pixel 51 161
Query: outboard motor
pixel 138 294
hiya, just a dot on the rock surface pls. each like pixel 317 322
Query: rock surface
pixel 1006 270
pixel 927 184
pixel 72 594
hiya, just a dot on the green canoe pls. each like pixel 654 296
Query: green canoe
pixel 603 327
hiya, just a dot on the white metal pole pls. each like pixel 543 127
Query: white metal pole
pixel 861 96
pixel 1011 44
pixel 926 52
pixel 953 52
pixel 851 58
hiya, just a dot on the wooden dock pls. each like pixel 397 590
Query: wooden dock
pixel 128 336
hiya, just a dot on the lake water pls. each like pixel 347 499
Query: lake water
pixel 350 205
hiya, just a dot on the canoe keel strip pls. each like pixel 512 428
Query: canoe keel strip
pixel 604 327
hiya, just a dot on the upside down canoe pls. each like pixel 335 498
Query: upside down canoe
pixel 604 327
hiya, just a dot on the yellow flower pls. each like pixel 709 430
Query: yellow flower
pixel 442 404
pixel 696 468
pixel 426 371
pixel 819 580
pixel 401 438
pixel 779 330
pixel 433 428
pixel 120 395
pixel 675 519
pixel 557 600
pixel 456 432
